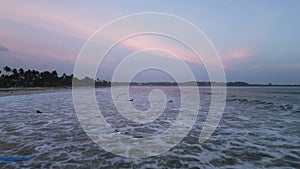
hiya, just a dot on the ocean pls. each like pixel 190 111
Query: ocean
pixel 260 128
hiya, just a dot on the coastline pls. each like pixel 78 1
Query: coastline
pixel 37 90
pixel 30 90
pixel 33 90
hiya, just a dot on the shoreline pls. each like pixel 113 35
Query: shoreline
pixel 30 90
pixel 12 91
pixel 38 90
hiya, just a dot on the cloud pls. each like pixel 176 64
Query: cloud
pixel 3 48
pixel 49 30
pixel 54 17
pixel 63 20
pixel 235 57
pixel 153 41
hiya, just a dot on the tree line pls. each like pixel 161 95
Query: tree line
pixel 12 77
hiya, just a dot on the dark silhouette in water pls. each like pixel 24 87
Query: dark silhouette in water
pixel 131 100
pixel 39 112
pixel 118 131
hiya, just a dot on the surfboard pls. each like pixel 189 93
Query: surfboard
pixel 14 159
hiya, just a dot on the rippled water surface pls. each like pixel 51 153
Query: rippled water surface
pixel 260 128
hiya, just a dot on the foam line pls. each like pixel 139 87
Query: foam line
pixel 95 132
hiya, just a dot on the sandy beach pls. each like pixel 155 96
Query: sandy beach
pixel 30 90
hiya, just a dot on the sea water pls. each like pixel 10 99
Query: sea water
pixel 260 128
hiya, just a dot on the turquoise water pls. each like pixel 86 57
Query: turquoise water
pixel 260 128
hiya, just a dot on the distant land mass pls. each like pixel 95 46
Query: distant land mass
pixel 241 84
pixel 19 78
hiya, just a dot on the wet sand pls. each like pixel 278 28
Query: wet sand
pixel 31 90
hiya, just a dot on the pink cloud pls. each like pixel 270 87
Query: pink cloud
pixel 238 55
pixel 53 18
pixel 74 22
pixel 39 48
pixel 171 45
pixel 144 42
pixel 62 20
pixel 235 57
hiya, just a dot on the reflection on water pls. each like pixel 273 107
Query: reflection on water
pixel 260 128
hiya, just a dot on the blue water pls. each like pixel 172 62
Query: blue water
pixel 260 128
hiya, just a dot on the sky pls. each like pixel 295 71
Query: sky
pixel 258 40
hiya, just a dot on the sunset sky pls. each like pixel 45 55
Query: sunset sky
pixel 258 40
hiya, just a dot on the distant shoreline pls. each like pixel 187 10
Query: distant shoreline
pixel 11 91
pixel 201 84
pixel 30 90
pixel 38 90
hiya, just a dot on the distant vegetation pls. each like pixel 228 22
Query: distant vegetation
pixel 12 77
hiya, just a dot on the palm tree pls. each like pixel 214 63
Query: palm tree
pixel 21 74
pixel 7 69
pixel 21 71
pixel 15 72
pixel 14 77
